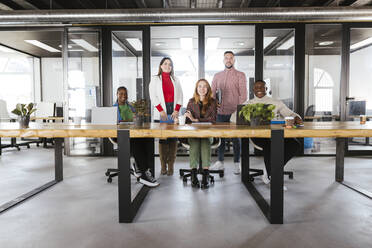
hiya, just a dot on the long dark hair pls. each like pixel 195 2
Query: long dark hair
pixel 162 62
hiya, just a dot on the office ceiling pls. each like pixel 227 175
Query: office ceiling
pixel 127 4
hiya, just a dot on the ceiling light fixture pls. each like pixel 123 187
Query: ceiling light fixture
pixel 84 44
pixel 135 43
pixel 69 46
pixel 325 43
pixel 361 43
pixel 43 46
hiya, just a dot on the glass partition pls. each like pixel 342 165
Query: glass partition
pixel 278 67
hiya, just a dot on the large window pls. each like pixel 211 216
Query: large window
pixel 237 38
pixel 180 43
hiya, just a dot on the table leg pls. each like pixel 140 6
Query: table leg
pixel 340 155
pixel 245 160
pixel 276 186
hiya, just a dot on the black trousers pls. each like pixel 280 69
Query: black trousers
pixel 291 148
pixel 140 149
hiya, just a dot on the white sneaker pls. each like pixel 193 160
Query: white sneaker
pixel 264 177
pixel 218 165
pixel 134 169
pixel 237 168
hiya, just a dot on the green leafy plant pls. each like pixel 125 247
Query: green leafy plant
pixel 263 112
pixel 141 106
pixel 24 111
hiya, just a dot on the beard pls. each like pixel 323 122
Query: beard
pixel 229 66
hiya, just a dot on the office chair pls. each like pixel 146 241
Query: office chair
pixel 112 172
pixel 186 173
pixel 310 111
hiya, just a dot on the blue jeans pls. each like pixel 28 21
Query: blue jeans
pixel 236 142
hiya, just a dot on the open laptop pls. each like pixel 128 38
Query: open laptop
pixel 105 115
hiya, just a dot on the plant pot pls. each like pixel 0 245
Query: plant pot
pixel 139 119
pixel 258 121
pixel 24 121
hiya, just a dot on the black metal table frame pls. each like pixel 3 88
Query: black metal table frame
pixel 58 177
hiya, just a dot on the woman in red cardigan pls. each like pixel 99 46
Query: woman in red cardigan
pixel 201 108
pixel 166 97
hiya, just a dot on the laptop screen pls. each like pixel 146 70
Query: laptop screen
pixel 105 115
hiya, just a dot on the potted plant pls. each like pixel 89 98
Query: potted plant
pixel 141 107
pixel 24 112
pixel 257 114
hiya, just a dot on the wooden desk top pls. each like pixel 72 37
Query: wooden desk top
pixel 330 129
pixel 47 118
pixel 150 130
pixel 156 130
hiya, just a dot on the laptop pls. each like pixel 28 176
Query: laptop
pixel 105 115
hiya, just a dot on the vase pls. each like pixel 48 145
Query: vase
pixel 258 121
pixel 24 121
pixel 138 120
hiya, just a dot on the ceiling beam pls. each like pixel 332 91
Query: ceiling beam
pixel 116 4
pixel 5 7
pixel 141 4
pixel 358 3
pixel 25 4
pixel 245 3
pixel 334 2
pixel 219 4
pixel 52 4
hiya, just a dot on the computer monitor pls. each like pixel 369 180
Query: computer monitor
pixel 105 115
pixel 356 108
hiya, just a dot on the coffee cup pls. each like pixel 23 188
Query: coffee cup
pixel 77 120
pixel 181 119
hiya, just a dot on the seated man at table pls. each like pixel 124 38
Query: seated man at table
pixel 125 114
pixel 291 146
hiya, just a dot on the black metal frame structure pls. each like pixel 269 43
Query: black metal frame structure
pixel 58 176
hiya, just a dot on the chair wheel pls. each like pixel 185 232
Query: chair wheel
pixel 221 174
pixel 212 181
pixel 181 173
pixel 251 179
pixel 28 146
pixel 18 148
pixel 184 179
pixel 290 176
pixel 109 180
pixel 138 179
pixel 107 173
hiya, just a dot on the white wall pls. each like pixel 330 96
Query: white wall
pixel 52 79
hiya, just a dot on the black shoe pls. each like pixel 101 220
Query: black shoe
pixel 148 180
pixel 194 178
pixel 205 180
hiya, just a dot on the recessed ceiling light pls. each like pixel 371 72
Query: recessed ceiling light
pixel 239 43
pixel 135 43
pixel 159 43
pixel 325 43
pixel 69 46
pixel 84 44
pixel 43 46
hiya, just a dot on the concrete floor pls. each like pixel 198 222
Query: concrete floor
pixel 82 211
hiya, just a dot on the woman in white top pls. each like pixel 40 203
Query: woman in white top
pixel 166 97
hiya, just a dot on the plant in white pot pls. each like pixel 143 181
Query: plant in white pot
pixel 258 114
pixel 24 112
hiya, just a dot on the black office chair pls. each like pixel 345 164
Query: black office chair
pixel 112 172
pixel 186 173
pixel 310 111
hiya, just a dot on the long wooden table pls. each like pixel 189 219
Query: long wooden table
pixel 128 208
